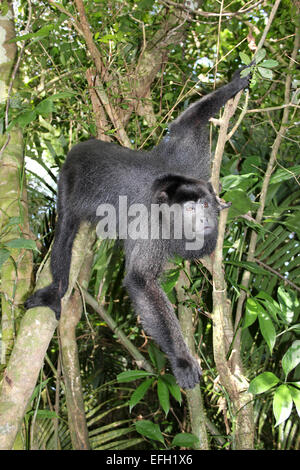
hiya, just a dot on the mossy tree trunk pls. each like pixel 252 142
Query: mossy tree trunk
pixel 16 270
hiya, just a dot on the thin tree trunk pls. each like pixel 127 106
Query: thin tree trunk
pixel 35 333
pixel 16 271
pixel 71 313
pixel 262 200
pixel 229 369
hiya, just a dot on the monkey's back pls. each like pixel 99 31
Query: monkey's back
pixel 97 172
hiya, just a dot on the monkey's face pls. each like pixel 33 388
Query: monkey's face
pixel 189 210
pixel 199 208
pixel 201 213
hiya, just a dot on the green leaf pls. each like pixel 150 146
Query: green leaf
pixel 139 393
pixel 41 33
pixel 61 95
pixel 250 266
pixel 251 312
pixel 260 56
pixel 295 392
pixel 45 107
pixel 291 358
pixel 245 72
pixel 245 58
pixel 263 382
pixel 270 304
pixel 172 386
pixel 131 375
pixel 265 73
pixel 244 182
pixel 156 356
pixel 288 303
pixel 21 243
pixel 282 174
pixel 25 118
pixel 43 414
pixel 241 203
pixel 38 388
pixel 4 255
pixel 13 221
pixel 267 328
pixel 269 63
pixel 184 440
pixel 170 279
pixel 163 395
pixel 150 430
pixel 282 404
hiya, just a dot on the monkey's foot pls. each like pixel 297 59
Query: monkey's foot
pixel 46 297
pixel 187 371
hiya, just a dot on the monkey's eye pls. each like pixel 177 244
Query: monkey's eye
pixel 190 206
pixel 202 203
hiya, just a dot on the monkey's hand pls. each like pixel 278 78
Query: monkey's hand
pixel 242 79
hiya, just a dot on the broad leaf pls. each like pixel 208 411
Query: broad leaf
pixel 26 118
pixel 251 312
pixel 282 404
pixel 172 386
pixel 263 382
pixel 291 358
pixel 139 393
pixel 245 58
pixel 150 430
pixel 163 395
pixel 288 303
pixel 269 63
pixel 267 328
pixel 245 72
pixel 266 73
pixel 260 56
pixel 21 243
pixel 295 392
pixel 131 375
pixel 4 255
pixel 184 440
pixel 45 107
pixel 156 356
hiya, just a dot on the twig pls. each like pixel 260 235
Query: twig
pixel 218 41
pixel 272 108
pixel 138 357
pixel 270 20
pixel 266 266
pixel 208 14
pixel 241 117
pixel 13 76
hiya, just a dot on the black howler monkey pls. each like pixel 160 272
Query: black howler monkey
pixel 174 173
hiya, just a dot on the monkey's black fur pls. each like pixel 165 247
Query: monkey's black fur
pixel 176 171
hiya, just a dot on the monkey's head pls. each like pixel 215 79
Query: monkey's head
pixel 189 214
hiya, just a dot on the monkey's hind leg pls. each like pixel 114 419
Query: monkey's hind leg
pixel 50 296
pixel 160 321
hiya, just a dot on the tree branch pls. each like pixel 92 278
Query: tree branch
pixel 135 353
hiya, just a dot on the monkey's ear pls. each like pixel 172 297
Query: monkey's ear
pixel 165 187
pixel 160 197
